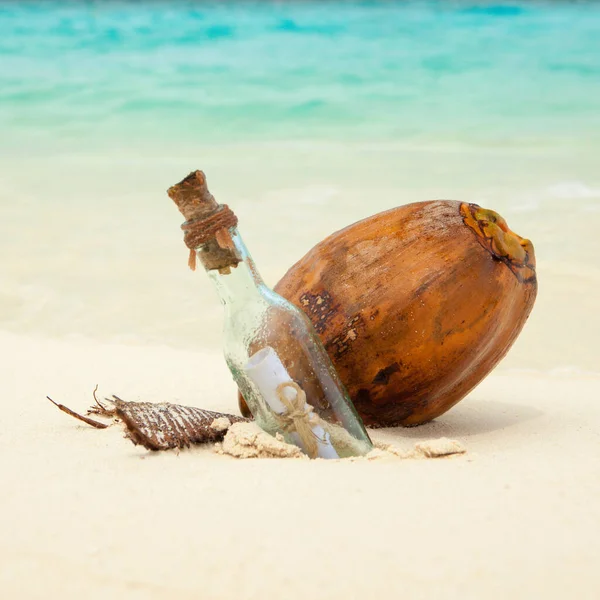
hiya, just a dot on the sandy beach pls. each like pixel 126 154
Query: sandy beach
pixel 88 301
pixel 87 514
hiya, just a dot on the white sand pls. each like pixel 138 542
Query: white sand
pixel 85 514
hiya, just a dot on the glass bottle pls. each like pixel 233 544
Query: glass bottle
pixel 274 354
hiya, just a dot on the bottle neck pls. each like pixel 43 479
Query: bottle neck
pixel 240 284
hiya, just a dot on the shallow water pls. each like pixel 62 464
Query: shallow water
pixel 306 117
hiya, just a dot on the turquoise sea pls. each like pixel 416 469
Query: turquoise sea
pixel 306 116
pixel 447 72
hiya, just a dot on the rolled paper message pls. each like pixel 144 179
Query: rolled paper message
pixel 271 378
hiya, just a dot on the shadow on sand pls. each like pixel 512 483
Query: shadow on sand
pixel 471 418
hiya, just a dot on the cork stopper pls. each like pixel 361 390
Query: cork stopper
pixel 192 197
pixel 207 226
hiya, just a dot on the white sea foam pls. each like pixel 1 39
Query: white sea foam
pixel 311 194
pixel 573 190
pixel 585 196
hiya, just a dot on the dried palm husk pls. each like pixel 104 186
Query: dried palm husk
pixel 157 426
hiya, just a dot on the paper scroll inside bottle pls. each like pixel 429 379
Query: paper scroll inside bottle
pixel 282 395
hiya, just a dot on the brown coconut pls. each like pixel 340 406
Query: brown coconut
pixel 415 305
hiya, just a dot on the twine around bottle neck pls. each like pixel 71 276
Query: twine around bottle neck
pixel 207 224
pixel 215 226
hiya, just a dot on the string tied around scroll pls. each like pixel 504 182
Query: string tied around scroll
pixel 299 418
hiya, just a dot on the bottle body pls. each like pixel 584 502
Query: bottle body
pixel 281 367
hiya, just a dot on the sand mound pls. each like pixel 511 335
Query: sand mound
pixel 247 440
